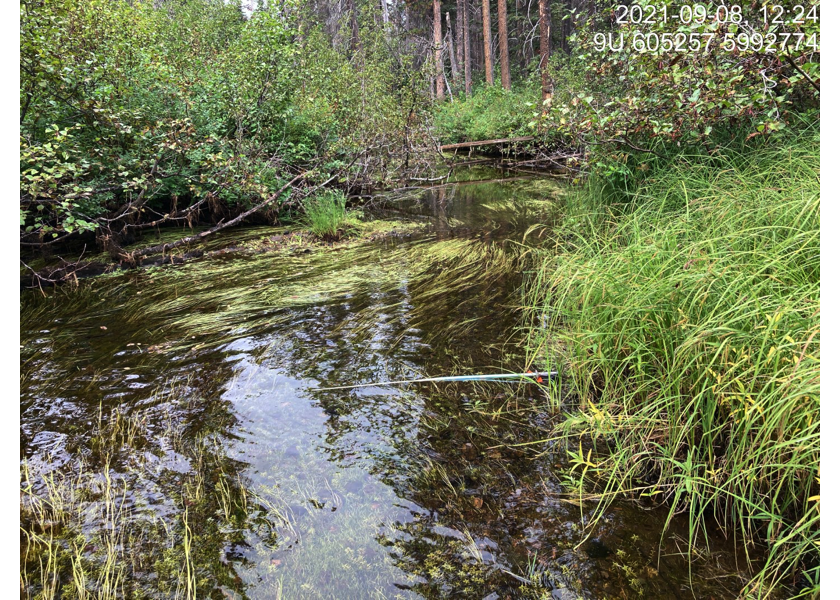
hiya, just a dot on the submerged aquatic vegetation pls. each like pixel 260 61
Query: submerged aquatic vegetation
pixel 127 519
pixel 249 479
pixel 217 299
pixel 690 325
pixel 163 508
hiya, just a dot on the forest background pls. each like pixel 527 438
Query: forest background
pixel 134 114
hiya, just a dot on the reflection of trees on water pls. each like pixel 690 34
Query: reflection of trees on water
pixel 494 209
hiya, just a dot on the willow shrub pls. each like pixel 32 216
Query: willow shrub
pixel 491 112
pixel 688 323
pixel 190 101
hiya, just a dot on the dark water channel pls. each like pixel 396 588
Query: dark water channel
pixel 174 441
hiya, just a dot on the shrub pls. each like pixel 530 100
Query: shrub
pixel 490 113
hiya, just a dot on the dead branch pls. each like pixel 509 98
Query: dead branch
pixel 133 256
pixel 793 64
pixel 526 138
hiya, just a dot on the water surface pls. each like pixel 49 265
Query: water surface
pixel 174 441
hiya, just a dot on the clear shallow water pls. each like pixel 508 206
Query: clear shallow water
pixel 171 418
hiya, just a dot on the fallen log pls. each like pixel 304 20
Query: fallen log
pixel 526 138
pixel 133 256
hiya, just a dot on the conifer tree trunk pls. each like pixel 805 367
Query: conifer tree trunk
pixel 525 54
pixel 438 40
pixel 545 49
pixel 459 33
pixel 503 44
pixel 465 23
pixel 488 38
pixel 566 27
pixel 453 64
pixel 478 35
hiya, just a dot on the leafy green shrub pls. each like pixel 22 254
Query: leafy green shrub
pixel 490 113
pixel 638 96
pixel 166 107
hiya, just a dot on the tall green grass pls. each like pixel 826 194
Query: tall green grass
pixel 687 322
pixel 326 214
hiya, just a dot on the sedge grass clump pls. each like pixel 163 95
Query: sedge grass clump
pixel 326 214
pixel 690 325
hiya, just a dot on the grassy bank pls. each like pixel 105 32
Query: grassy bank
pixel 686 319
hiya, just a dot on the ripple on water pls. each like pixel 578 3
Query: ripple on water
pixel 172 416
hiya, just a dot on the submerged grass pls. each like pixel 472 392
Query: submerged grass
pixel 689 321
pixel 144 513
pixel 76 527
pixel 221 299
pixel 156 509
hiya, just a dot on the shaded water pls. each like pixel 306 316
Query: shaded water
pixel 174 442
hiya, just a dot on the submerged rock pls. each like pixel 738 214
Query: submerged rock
pixel 596 549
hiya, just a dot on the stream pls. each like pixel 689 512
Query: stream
pixel 175 441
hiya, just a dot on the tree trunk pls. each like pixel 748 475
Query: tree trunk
pixel 453 64
pixel 488 53
pixel 566 27
pixel 354 27
pixel 545 49
pixel 477 39
pixel 459 33
pixel 465 35
pixel 522 30
pixel 385 12
pixel 503 44
pixel 438 51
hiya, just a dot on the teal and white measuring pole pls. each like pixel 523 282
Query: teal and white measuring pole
pixel 536 377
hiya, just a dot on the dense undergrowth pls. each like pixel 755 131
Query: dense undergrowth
pixel 147 115
pixel 685 315
pixel 489 113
